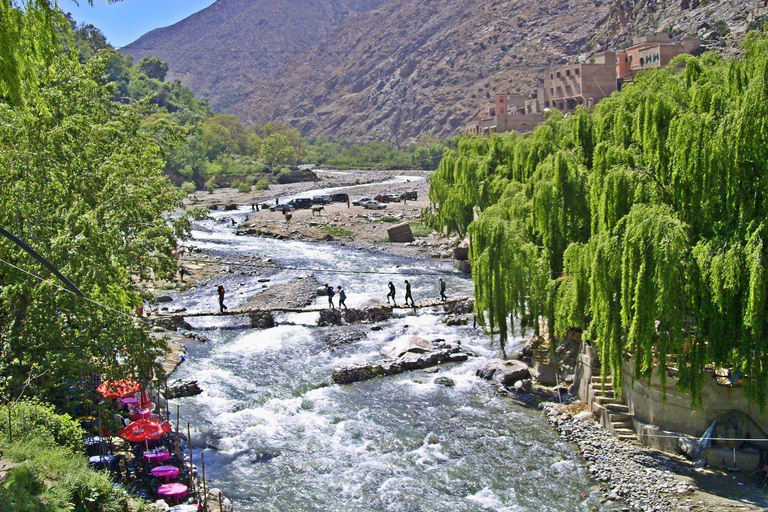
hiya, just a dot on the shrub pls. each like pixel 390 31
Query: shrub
pixel 262 184
pixel 188 187
pixel 284 177
pixel 211 185
pixel 242 187
pixel 32 420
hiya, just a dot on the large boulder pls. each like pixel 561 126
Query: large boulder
pixel 413 344
pixel 504 372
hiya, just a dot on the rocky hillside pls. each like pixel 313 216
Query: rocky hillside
pixel 228 50
pixel 393 69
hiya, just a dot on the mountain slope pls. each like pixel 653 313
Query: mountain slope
pixel 412 67
pixel 226 50
pixel 394 69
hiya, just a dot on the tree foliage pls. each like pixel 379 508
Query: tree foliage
pixel 646 218
pixel 81 181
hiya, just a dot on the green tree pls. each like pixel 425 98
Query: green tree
pixel 153 67
pixel 82 181
pixel 641 222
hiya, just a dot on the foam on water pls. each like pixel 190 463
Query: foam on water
pixel 280 438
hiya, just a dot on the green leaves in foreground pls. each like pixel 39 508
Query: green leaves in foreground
pixel 81 181
pixel 643 222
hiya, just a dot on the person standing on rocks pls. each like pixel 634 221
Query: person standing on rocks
pixel 408 294
pixel 222 307
pixel 442 290
pixel 347 203
pixel 329 289
pixel 391 294
pixel 342 297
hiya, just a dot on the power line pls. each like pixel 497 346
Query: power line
pixel 84 297
pixel 379 272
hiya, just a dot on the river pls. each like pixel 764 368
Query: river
pixel 278 437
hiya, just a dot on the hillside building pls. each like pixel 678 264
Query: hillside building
pixel 581 84
pixel 652 51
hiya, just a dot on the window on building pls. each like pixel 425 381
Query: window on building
pixel 558 74
pixel 552 91
pixel 559 91
pixel 551 75
pixel 577 87
pixel 630 58
pixel 567 72
pixel 577 71
pixel 568 89
pixel 642 61
pixel 656 58
pixel 546 104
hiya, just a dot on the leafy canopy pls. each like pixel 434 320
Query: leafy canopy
pixel 643 222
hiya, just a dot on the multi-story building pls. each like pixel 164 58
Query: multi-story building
pixel 585 83
pixel 652 51
pixel 567 87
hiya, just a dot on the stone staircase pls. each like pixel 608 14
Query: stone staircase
pixel 614 415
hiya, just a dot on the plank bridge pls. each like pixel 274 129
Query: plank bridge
pixel 310 309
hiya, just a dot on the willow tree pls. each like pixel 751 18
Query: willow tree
pixel 646 216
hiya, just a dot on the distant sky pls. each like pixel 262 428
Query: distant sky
pixel 124 22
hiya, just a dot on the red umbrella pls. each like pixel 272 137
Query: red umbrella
pixel 143 430
pixel 113 389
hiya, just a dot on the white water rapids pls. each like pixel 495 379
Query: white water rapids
pixel 278 437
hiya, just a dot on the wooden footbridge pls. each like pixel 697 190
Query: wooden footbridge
pixel 310 309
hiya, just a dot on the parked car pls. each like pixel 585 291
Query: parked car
pixel 393 198
pixel 301 203
pixel 410 195
pixel 340 197
pixel 382 198
pixel 361 201
pixel 321 199
pixel 285 207
pixel 374 205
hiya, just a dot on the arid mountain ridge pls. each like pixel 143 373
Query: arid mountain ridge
pixel 396 69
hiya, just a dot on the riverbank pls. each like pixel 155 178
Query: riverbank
pixel 630 477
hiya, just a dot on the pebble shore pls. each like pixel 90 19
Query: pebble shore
pixel 629 477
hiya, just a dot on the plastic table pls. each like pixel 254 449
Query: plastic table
pixel 156 458
pixel 101 461
pixel 165 472
pixel 173 492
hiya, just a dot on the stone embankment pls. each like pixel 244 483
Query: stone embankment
pixel 413 353
pixel 630 477
pixel 353 316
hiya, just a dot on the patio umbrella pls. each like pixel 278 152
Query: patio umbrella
pixel 114 389
pixel 143 430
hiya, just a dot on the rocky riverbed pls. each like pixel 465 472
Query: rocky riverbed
pixel 634 478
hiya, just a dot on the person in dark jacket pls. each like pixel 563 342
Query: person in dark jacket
pixel 342 297
pixel 329 289
pixel 391 294
pixel 222 307
pixel 442 290
pixel 408 294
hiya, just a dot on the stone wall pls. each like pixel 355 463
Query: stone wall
pixel 675 412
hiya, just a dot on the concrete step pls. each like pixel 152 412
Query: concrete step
pixel 622 425
pixel 599 378
pixel 615 406
pixel 628 438
pixel 604 392
pixel 607 401
pixel 617 417
pixel 600 385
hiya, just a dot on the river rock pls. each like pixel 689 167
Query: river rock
pixel 215 501
pixel 409 361
pixel 413 344
pixel 504 372
pixel 181 388
pixel 165 298
pixel 445 381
